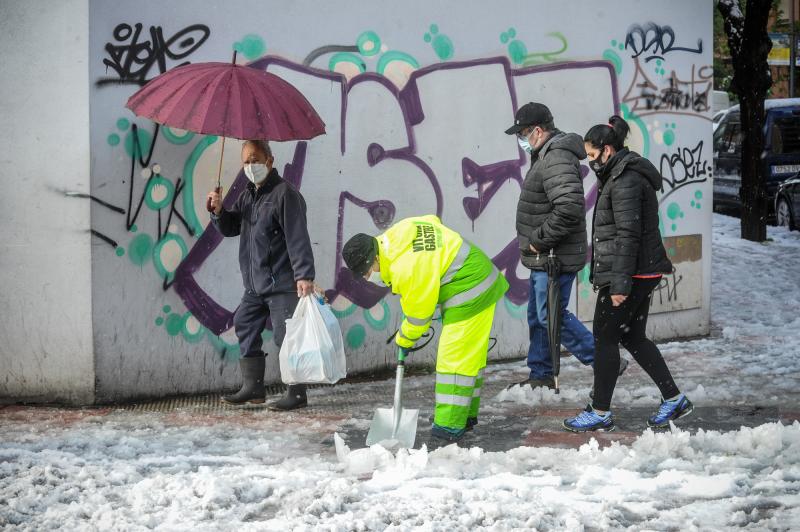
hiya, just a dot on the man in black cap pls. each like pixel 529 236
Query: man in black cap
pixel 551 216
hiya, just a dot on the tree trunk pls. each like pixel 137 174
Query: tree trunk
pixel 750 45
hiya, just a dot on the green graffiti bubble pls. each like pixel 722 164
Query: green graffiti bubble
pixel 671 252
pixel 167 309
pixel 612 57
pixel 517 51
pixel 658 62
pixel 145 140
pixel 356 336
pixel 159 321
pixel 123 124
pixel 133 228
pixel 168 254
pixel 515 311
pixel 674 227
pixel 698 194
pixel 692 203
pixel 621 46
pixel 673 211
pixel 252 46
pixel 441 44
pixel 188 190
pixel 669 137
pixel 504 38
pixel 697 205
pixel 346 57
pixel 159 192
pixel 174 324
pixel 266 335
pixel 139 249
pixel 344 312
pixel 512 32
pixel 613 42
pixel 174 138
pixel 368 43
pixel 394 55
pixel 381 323
pixel 191 329
pixel 120 251
pixel 113 139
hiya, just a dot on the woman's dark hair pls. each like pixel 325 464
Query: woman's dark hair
pixel 612 134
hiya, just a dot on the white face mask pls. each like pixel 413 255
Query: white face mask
pixel 256 172
pixel 375 277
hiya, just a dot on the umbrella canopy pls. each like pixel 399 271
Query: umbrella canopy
pixel 228 100
pixel 553 268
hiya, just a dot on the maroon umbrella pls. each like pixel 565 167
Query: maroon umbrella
pixel 228 100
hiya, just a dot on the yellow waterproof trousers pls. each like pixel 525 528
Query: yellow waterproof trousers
pixel 460 361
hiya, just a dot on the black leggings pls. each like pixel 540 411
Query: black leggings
pixel 626 325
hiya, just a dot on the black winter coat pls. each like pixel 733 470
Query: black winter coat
pixel 274 246
pixel 625 236
pixel 550 212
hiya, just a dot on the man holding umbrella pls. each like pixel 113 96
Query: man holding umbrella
pixel 276 262
pixel 551 230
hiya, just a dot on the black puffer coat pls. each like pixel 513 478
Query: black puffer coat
pixel 625 236
pixel 550 212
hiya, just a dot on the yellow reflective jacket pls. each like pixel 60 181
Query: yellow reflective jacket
pixel 428 264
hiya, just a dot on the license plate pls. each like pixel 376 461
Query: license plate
pixel 786 168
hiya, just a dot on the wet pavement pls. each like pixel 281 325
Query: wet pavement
pixel 505 422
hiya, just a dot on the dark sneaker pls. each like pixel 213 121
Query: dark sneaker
pixel 590 420
pixel 623 365
pixel 670 411
pixel 544 382
pixel 447 434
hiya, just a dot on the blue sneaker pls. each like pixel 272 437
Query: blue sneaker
pixel 590 420
pixel 670 411
pixel 447 434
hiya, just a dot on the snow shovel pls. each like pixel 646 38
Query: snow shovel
pixel 396 426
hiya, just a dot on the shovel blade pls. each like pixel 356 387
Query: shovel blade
pixel 382 430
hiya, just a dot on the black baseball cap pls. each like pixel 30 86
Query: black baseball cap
pixel 530 114
pixel 359 253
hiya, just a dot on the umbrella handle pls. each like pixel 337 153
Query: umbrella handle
pixel 209 208
pixel 219 168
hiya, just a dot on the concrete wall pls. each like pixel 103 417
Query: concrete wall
pixel 415 96
pixel 45 279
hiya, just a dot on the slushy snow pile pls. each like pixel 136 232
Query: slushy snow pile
pixel 137 471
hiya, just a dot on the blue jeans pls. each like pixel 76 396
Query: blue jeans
pixel 574 335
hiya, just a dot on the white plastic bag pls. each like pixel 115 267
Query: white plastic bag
pixel 313 349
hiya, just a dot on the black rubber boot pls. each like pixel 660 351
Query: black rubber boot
pixel 252 390
pixel 295 397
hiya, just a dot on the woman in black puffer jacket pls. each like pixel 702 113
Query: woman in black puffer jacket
pixel 628 261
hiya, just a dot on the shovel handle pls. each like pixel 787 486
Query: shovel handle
pixel 209 208
pixel 401 357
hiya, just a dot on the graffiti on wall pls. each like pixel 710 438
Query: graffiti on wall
pixel 131 56
pixel 391 151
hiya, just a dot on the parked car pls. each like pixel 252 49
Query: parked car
pixel 781 158
pixel 717 118
pixel 787 203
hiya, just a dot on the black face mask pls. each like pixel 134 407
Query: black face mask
pixel 599 168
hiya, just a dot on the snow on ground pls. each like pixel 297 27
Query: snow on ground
pixel 137 471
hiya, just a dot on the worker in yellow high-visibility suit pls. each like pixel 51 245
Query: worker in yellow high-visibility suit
pixel 428 264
